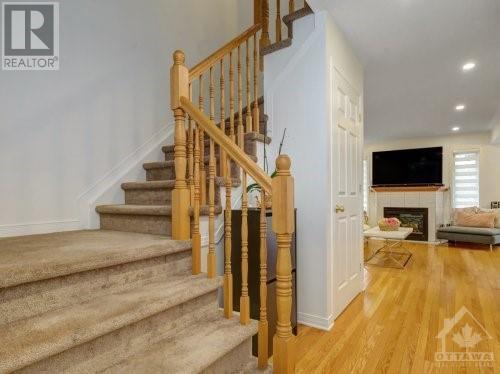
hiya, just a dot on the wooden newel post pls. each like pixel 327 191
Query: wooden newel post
pixel 283 226
pixel 179 87
pixel 264 20
pixel 257 11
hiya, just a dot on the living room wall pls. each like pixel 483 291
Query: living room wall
pixel 489 169
pixel 62 133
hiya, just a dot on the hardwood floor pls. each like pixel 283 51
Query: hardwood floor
pixel 392 326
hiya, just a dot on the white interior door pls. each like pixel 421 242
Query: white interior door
pixel 347 194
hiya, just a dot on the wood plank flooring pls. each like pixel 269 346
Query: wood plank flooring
pixel 393 325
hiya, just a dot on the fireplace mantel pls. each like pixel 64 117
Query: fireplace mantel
pixel 410 189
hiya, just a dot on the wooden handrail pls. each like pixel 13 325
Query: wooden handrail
pixel 234 152
pixel 215 57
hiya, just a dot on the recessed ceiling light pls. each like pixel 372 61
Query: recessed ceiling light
pixel 455 128
pixel 460 107
pixel 469 66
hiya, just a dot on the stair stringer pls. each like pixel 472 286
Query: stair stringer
pixel 107 190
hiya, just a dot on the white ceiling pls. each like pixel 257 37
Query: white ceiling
pixel 413 51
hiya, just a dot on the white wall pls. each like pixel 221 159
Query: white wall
pixel 296 86
pixel 489 168
pixel 67 134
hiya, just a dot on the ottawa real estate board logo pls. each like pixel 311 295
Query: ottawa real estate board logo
pixel 464 341
pixel 30 36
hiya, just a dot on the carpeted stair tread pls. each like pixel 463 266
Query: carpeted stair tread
pixel 131 209
pixel 158 164
pixel 300 13
pixel 252 367
pixel 285 43
pixel 37 257
pixel 33 339
pixel 288 20
pixel 205 210
pixel 149 185
pixel 249 136
pixel 191 351
pixel 254 136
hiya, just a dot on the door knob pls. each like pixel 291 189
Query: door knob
pixel 339 208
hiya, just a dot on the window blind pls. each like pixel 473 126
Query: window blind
pixel 466 179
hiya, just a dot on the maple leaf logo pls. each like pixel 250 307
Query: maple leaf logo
pixel 467 338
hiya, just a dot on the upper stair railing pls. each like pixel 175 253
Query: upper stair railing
pixel 191 179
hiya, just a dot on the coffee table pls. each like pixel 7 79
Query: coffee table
pixel 393 245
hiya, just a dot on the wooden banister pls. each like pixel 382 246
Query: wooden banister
pixel 195 184
pixel 215 57
pixel 233 151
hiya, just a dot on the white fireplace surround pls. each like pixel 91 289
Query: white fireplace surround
pixel 432 200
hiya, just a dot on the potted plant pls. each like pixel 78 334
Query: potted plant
pixel 256 188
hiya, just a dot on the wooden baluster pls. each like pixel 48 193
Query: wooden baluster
pixel 228 276
pixel 222 154
pixel 211 270
pixel 284 226
pixel 203 173
pixel 248 118
pixel 190 152
pixel 291 6
pixel 244 299
pixel 255 114
pixel 263 325
pixel 264 16
pixel 231 97
pixel 196 214
pixel 179 80
pixel 278 21
pixel 240 101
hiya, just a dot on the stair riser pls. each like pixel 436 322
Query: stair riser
pixel 160 174
pixel 250 146
pixel 104 352
pixel 149 197
pixel 168 173
pixel 50 294
pixel 232 362
pixel 157 225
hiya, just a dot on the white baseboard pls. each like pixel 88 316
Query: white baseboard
pixel 107 190
pixel 317 322
pixel 32 228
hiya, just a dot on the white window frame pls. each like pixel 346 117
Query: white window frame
pixel 478 161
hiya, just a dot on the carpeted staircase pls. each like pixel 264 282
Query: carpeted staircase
pixel 147 207
pixel 121 299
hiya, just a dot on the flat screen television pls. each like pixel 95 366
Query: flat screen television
pixel 408 167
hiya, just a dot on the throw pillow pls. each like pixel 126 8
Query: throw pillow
pixel 476 219
pixel 497 215
pixel 471 210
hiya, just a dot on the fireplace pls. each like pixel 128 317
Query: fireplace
pixel 415 218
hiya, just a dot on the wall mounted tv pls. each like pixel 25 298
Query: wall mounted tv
pixel 408 167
